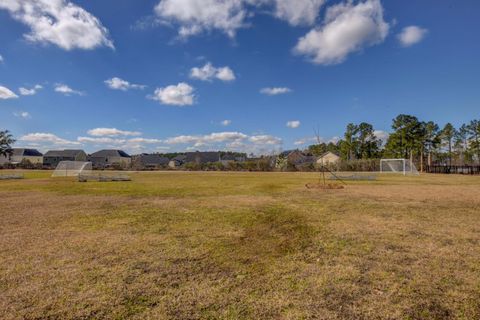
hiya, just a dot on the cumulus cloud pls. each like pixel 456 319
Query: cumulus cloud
pixel 217 137
pixel 181 94
pixel 111 132
pixel 22 114
pixel 298 12
pixel 134 145
pixel 145 140
pixel 347 28
pixel 48 138
pixel 208 72
pixel 228 16
pixel 6 93
pixel 226 123
pixel 66 90
pixel 29 92
pixel 275 91
pixel 196 16
pixel 235 141
pixel 304 141
pixel 1 59
pixel 293 124
pixel 59 22
pixel 116 83
pixel 382 135
pixel 411 35
pixel 265 139
pixel 101 140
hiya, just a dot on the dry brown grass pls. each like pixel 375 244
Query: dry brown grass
pixel 251 246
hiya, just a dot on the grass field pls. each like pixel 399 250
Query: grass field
pixel 239 246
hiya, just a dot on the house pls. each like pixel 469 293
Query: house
pixel 294 159
pixel 108 157
pixel 22 154
pixel 227 158
pixel 202 157
pixel 177 161
pixel 53 157
pixel 150 161
pixel 328 158
pixel 297 157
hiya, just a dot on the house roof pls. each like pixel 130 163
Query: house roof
pixel 180 157
pixel 229 157
pixel 26 152
pixel 110 153
pixel 202 157
pixel 63 153
pixel 155 159
pixel 327 153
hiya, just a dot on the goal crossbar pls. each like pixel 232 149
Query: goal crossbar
pixel 403 166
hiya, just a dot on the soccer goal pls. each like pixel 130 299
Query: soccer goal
pixel 72 168
pixel 403 166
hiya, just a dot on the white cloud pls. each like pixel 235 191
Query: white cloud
pixel 1 59
pixel 102 140
pixel 347 28
pixel 298 12
pixel 133 145
pixel 208 72
pixel 304 141
pixel 66 90
pixel 226 123
pixel 145 140
pixel 22 114
pixel 48 138
pixel 6 93
pixel 265 139
pixel 275 91
pixel 59 22
pixel 120 84
pixel 293 124
pixel 411 35
pixel 29 92
pixel 217 137
pixel 177 95
pixel 382 135
pixel 197 16
pixel 111 132
pixel 234 141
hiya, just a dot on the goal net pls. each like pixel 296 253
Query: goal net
pixel 403 166
pixel 72 168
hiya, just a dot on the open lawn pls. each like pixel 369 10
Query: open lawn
pixel 239 246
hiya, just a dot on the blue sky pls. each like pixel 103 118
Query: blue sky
pixel 246 75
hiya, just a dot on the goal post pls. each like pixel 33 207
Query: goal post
pixel 72 168
pixel 402 166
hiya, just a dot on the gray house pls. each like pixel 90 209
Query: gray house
pixel 177 161
pixel 53 157
pixel 150 161
pixel 202 157
pixel 107 158
pixel 22 154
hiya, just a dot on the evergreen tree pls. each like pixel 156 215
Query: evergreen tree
pixel 348 145
pixel 368 143
pixel 429 140
pixel 460 144
pixel 406 140
pixel 447 134
pixel 6 140
pixel 473 130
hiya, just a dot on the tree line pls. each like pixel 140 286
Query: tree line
pixel 421 141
